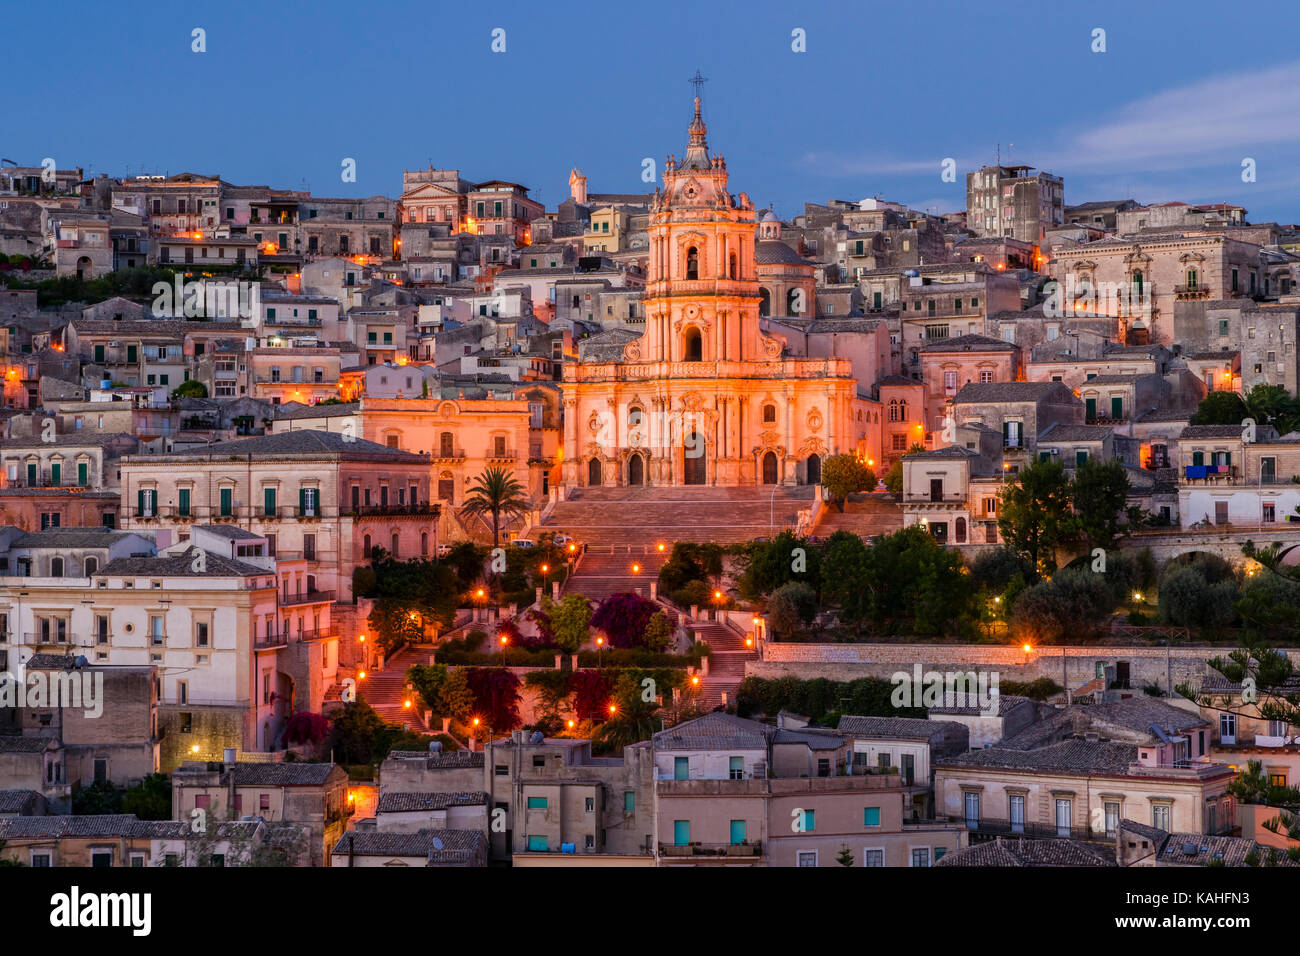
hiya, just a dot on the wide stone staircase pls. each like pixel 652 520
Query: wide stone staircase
pixel 642 517
pixel 385 690
pixel 864 515
pixel 611 569
pixel 726 664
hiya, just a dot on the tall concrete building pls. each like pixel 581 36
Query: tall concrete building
pixel 1014 201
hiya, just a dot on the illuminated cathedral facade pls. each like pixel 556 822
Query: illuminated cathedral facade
pixel 705 397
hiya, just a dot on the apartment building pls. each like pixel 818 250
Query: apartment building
pixel 1079 773
pixel 311 795
pixel 327 498
pixel 735 792
pixel 1014 201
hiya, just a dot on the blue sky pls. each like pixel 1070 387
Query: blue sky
pixel 884 93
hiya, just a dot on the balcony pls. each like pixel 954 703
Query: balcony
pixel 746 849
pixel 307 597
pixel 449 454
pixel 1190 292
pixel 952 497
pixel 987 828
pixel 421 509
pixel 267 641
pixel 1211 473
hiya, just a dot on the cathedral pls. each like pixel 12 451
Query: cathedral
pixel 705 396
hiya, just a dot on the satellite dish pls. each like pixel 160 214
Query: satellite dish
pixel 80 661
pixel 437 843
pixel 537 737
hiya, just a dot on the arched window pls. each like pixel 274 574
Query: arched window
pixel 1137 281
pixel 365 547
pixel 769 413
pixel 692 346
pixel 732 267
pixel 92 565
pixel 961 530
pixel 635 416
pixel 56 567
pixel 424 542
pixel 692 263
pixel 395 540
pixel 893 410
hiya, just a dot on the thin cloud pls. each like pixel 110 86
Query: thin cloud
pixel 1220 119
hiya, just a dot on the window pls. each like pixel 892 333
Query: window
pixel 1160 816
pixel 807 858
pixel 537 844
pixel 1112 818
pixel 536 803
pixel 736 768
pixel 681 833
pixel 873 857
pixel 101 858
pixel 1227 728
pixel 629 801
pixel 871 816
pixel 1063 811
pixel 971 805
pixel 808 821
pixel 1016 812
pixel 201 634
pixel 769 413
pixel 921 856
pixel 268 502
pixel 227 502
pixel 589 804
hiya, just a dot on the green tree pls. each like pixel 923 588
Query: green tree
pixel 845 856
pixel 1252 785
pixel 150 799
pixel 790 607
pixel 190 389
pixel 844 475
pixel 1273 405
pixel 659 632
pixel 1072 603
pixel 570 621
pixel 457 698
pixel 408 596
pixel 894 477
pixel 1221 408
pixel 634 718
pixel 495 493
pixel 428 681
pixel 768 565
pixel 1100 492
pixel 1034 514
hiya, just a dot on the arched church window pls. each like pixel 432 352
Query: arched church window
pixel 693 346
pixel 634 416
pixel 769 414
pixel 732 268
pixel 692 263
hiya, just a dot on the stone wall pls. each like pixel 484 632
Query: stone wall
pixel 1068 666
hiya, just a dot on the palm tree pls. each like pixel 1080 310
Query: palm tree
pixel 496 492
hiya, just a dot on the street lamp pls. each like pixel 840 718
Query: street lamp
pixel 546 573
pixel 505 639
pixel 600 646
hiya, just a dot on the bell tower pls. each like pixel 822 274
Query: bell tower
pixel 702 292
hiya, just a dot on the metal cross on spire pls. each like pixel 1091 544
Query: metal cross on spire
pixel 698 82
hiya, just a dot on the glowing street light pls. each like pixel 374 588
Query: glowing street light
pixel 660 546
pixel 361 675
pixel 636 569
pixel 1026 648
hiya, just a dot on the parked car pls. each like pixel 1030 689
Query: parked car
pixel 562 540
pixel 523 543
pixel 444 550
